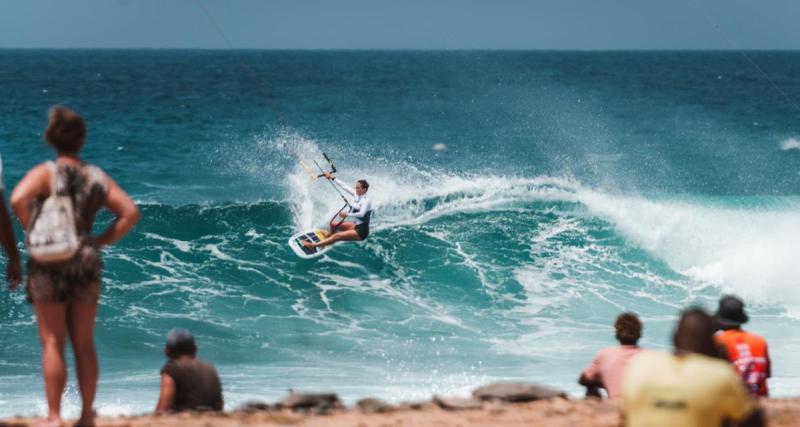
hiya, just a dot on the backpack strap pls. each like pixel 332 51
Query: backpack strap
pixel 53 177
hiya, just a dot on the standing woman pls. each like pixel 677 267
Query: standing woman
pixel 65 293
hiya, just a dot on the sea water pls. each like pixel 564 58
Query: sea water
pixel 522 200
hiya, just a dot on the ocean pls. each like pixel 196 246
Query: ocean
pixel 522 200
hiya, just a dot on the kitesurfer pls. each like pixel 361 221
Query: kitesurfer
pixel 352 224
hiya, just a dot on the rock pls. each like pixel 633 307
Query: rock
pixel 255 405
pixel 417 406
pixel 317 403
pixel 516 392
pixel 370 405
pixel 457 403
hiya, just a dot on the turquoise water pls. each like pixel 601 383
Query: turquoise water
pixel 523 199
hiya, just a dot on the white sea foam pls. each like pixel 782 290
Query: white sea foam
pixel 790 144
pixel 749 252
pixel 183 246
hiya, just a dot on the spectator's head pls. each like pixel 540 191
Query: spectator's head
pixel 66 130
pixel 629 328
pixel 180 343
pixel 695 333
pixel 730 314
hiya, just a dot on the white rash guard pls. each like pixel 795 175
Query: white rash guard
pixel 360 207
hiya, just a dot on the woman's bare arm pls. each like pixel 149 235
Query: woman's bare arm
pixel 35 184
pixel 125 211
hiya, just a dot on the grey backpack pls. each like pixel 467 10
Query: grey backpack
pixel 53 236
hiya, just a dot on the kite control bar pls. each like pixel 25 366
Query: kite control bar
pixel 333 169
pixel 327 159
pixel 346 203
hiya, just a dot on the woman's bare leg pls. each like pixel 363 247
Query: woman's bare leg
pixel 343 227
pixel 341 235
pixel 51 318
pixel 346 226
pixel 80 321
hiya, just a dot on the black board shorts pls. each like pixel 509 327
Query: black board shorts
pixel 362 230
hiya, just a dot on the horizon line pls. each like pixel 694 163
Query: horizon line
pixel 337 49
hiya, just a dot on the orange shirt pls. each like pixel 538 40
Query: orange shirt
pixel 748 353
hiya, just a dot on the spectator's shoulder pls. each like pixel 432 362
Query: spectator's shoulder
pixel 97 176
pixel 715 367
pixel 169 367
pixel 209 365
pixel 603 352
pixel 609 351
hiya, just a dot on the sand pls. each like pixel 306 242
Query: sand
pixel 554 412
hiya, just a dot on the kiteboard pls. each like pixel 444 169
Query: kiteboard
pixel 313 235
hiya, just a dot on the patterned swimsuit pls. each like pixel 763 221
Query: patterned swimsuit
pixel 77 279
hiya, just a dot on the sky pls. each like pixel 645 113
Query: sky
pixel 401 24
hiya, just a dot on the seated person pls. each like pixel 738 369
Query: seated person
pixel 187 383
pixel 606 369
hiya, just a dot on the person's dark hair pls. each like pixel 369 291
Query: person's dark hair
pixel 695 333
pixel 629 328
pixel 66 130
pixel 364 183
pixel 180 343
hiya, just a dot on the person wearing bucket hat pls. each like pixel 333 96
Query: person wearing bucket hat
pixel 748 352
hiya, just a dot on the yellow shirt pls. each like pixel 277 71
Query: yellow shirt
pixel 664 390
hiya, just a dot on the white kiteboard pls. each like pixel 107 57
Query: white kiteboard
pixel 314 235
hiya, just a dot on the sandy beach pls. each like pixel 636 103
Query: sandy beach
pixel 553 412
